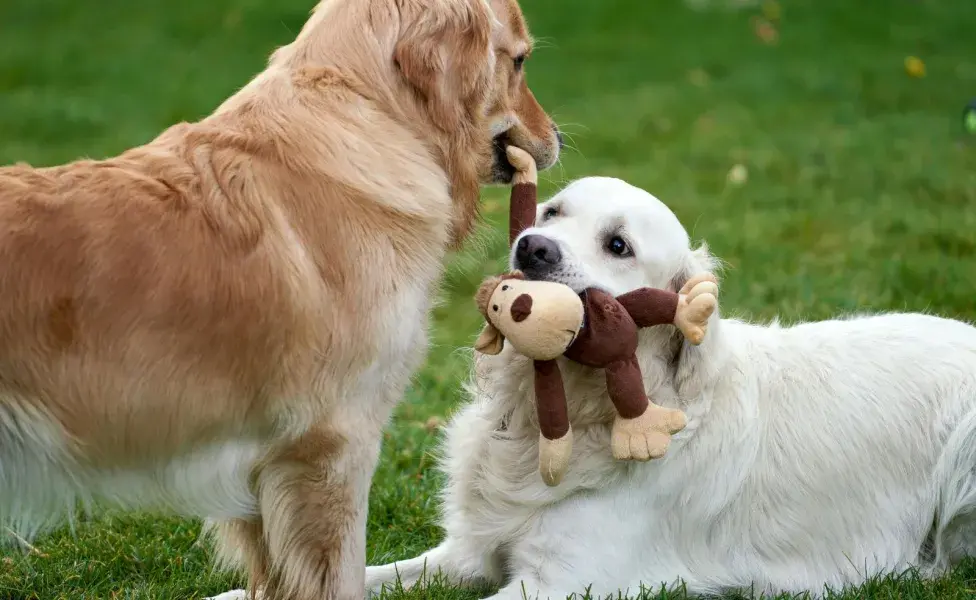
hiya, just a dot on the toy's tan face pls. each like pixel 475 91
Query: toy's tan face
pixel 539 318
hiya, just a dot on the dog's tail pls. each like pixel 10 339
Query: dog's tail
pixel 955 480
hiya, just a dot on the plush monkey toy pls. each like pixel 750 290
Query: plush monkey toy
pixel 544 320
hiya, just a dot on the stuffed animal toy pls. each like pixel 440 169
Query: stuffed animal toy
pixel 545 320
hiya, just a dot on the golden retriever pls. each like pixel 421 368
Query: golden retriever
pixel 220 322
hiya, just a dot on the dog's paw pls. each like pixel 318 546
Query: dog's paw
pixel 233 595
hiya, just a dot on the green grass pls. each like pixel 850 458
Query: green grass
pixel 861 192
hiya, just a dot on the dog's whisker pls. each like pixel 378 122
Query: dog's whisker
pixel 580 125
pixel 544 42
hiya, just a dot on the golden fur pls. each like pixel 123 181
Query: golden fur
pixel 251 291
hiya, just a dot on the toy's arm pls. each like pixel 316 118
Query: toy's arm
pixel 556 437
pixel 650 306
pixel 524 192
pixel 688 310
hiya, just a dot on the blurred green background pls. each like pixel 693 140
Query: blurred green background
pixel 792 137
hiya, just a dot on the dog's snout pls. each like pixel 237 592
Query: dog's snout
pixel 536 252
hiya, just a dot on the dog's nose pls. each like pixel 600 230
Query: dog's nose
pixel 559 136
pixel 535 252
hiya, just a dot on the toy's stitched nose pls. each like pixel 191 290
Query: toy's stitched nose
pixel 521 308
pixel 537 252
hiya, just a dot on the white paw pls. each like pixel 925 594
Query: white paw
pixel 232 595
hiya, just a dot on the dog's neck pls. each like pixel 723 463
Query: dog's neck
pixel 697 369
pixel 334 52
pixel 328 40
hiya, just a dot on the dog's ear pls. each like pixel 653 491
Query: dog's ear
pixel 698 261
pixel 444 52
pixel 490 340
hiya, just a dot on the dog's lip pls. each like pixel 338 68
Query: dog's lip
pixel 498 145
pixel 530 276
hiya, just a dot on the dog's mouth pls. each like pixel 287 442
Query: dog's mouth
pixel 502 171
pixel 553 276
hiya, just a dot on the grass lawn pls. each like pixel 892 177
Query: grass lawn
pixel 860 195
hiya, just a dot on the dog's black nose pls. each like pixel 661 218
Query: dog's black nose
pixel 535 252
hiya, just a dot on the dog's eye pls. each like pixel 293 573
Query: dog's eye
pixel 504 288
pixel 616 245
pixel 519 61
pixel 550 213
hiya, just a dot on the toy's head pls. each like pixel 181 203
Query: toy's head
pixel 539 318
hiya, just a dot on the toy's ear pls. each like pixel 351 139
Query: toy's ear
pixel 490 341
pixel 483 295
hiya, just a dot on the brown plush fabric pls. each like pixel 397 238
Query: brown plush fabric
pixel 608 335
pixel 550 399
pixel 521 308
pixel 608 340
pixel 625 385
pixel 650 306
pixel 522 209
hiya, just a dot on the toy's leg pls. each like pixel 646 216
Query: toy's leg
pixel 642 430
pixel 556 435
pixel 625 385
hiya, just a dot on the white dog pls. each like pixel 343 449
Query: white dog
pixel 815 455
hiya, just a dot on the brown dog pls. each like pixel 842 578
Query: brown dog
pixel 221 321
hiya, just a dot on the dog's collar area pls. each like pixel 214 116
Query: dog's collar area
pixel 504 421
pixel 676 344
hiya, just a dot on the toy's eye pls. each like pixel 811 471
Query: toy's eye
pixel 494 307
pixel 504 288
pixel 617 246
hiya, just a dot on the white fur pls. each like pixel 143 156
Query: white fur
pixel 816 455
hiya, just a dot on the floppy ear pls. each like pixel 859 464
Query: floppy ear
pixel 444 53
pixel 698 261
pixel 490 341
